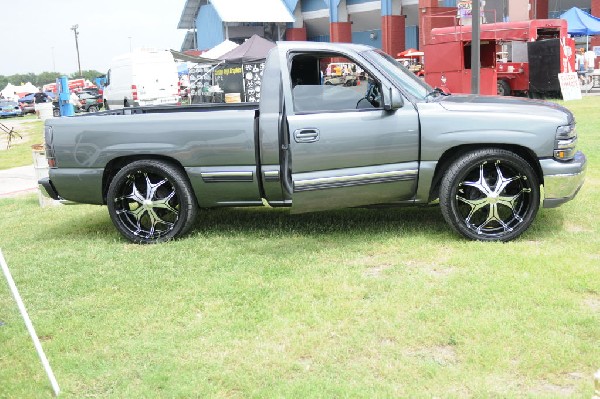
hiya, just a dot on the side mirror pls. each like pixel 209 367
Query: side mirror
pixel 392 100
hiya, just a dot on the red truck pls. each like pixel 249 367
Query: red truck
pixel 517 58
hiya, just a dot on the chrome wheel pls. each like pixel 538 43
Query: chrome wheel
pixel 490 195
pixel 151 201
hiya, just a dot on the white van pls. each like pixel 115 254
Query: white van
pixel 143 77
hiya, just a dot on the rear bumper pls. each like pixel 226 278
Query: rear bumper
pixel 47 189
pixel 563 180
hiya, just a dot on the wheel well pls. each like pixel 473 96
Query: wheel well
pixel 453 153
pixel 113 167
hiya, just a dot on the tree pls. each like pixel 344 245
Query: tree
pixel 90 75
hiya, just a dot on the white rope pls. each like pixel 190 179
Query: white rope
pixel 27 320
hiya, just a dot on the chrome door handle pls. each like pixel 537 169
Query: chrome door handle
pixel 306 135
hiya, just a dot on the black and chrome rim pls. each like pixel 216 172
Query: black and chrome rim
pixel 493 199
pixel 147 205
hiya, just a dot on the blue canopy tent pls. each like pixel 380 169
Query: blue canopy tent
pixel 580 23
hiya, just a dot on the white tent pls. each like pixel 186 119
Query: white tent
pixel 220 49
pixel 22 90
pixel 8 91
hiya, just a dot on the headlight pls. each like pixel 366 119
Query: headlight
pixel 565 145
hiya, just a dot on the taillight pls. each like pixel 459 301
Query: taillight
pixel 49 138
pixel 134 92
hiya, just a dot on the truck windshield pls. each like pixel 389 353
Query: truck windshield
pixel 397 72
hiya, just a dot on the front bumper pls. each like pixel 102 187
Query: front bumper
pixel 562 180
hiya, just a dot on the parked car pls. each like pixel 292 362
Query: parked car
pixel 90 102
pixel 9 108
pixel 94 91
pixel 27 105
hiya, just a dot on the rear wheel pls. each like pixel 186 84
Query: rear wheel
pixel 490 195
pixel 503 88
pixel 151 201
pixel 106 105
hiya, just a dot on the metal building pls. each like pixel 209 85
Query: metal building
pixel 392 25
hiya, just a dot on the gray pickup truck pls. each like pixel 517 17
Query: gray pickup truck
pixel 388 140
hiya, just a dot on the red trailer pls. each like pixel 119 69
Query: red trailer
pixel 518 58
pixel 74 85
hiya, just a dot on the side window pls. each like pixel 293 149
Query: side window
pixel 329 83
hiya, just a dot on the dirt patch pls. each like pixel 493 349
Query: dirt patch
pixel 444 355
pixel 575 228
pixel 592 303
pixel 547 388
pixel 436 269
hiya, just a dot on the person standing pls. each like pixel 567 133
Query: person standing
pixel 580 64
pixel 589 60
pixel 39 98
pixel 74 100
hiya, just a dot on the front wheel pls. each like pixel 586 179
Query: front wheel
pixel 151 201
pixel 490 195
pixel 93 108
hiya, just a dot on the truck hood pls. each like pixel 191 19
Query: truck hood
pixel 495 104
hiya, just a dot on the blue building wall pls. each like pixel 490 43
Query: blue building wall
pixel 313 5
pixel 291 5
pixel 411 38
pixel 365 38
pixel 321 38
pixel 209 27
pixel 352 2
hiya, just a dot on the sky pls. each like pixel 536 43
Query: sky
pixel 37 35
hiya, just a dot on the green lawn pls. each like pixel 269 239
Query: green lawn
pixel 257 303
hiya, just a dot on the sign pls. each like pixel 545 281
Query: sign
pixel 252 81
pixel 229 78
pixel 569 86
pixel 597 51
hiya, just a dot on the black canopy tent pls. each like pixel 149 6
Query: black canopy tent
pixel 243 67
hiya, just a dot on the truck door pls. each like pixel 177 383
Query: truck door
pixel 345 150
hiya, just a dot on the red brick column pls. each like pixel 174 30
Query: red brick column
pixel 393 34
pixel 595 40
pixel 541 9
pixel 340 32
pixel 295 34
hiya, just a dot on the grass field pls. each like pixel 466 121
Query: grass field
pixel 31 131
pixel 257 303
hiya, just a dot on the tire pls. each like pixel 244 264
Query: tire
pixel 503 88
pixel 490 195
pixel 92 108
pixel 125 104
pixel 105 106
pixel 151 201
pixel 55 113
